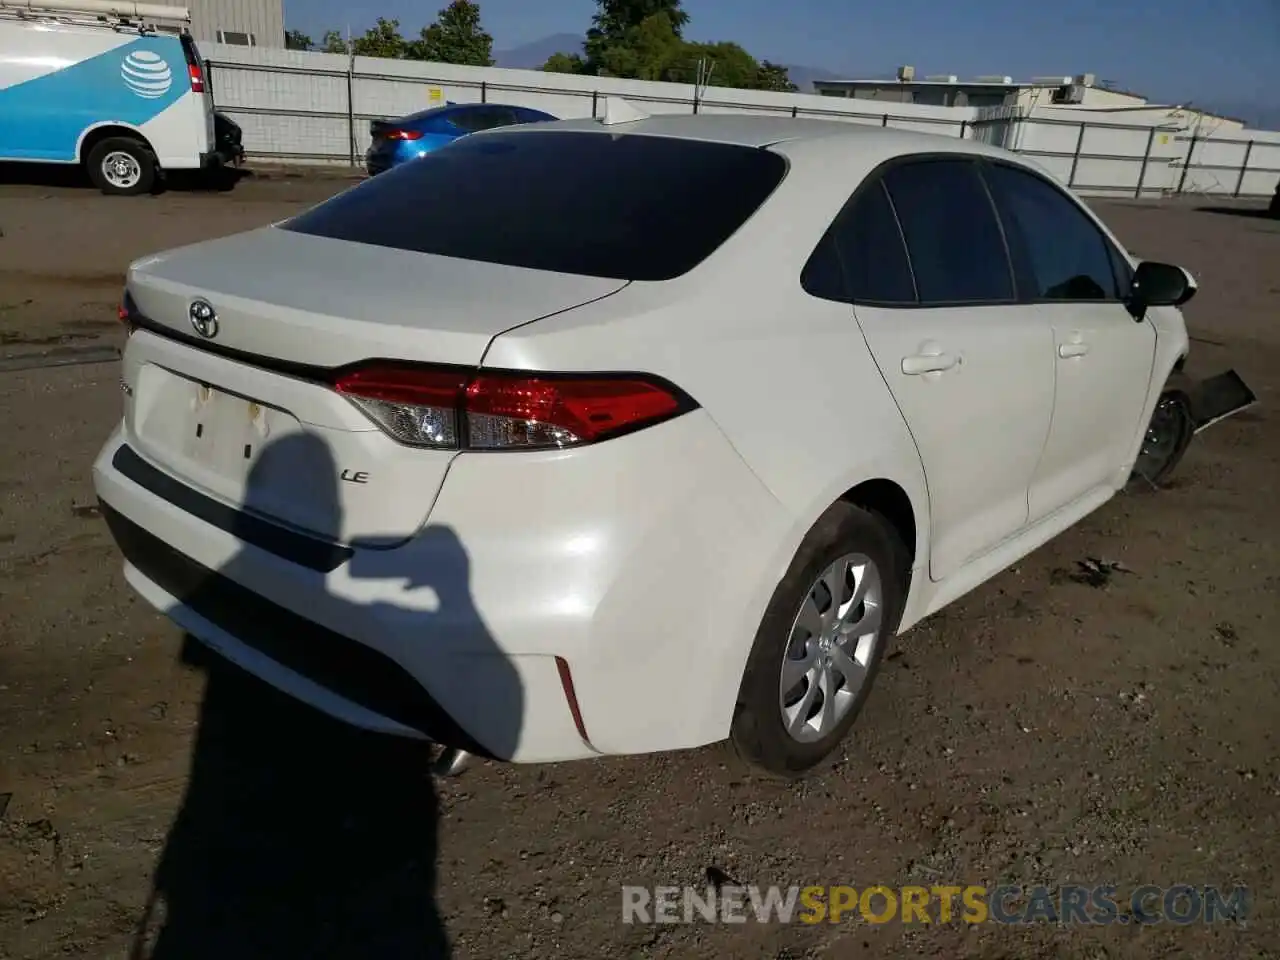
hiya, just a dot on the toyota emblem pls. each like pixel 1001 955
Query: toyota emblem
pixel 203 318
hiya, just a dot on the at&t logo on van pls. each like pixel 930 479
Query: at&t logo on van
pixel 146 74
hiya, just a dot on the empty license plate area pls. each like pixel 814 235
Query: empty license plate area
pixel 202 434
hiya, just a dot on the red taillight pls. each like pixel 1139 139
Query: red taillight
pixel 197 77
pixel 490 410
pixel 127 311
pixel 401 134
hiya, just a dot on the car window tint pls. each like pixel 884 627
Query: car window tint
pixel 423 116
pixel 627 207
pixel 957 251
pixel 862 258
pixel 1067 256
pixel 1120 267
pixel 822 275
pixel 872 252
pixel 474 119
pixel 486 118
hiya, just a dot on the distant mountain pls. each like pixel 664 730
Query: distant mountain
pixel 531 56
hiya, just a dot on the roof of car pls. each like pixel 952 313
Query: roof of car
pixel 752 130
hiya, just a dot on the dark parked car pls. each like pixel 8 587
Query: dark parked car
pixel 227 138
pixel 395 141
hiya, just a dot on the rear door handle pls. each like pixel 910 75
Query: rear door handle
pixel 1068 350
pixel 923 363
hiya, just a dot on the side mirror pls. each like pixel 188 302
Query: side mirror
pixel 1159 285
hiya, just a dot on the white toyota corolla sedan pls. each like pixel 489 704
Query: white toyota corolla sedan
pixel 591 438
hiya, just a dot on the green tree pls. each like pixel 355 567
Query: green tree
pixel 728 65
pixel 773 76
pixel 647 51
pixel 565 63
pixel 456 37
pixel 381 40
pixel 614 24
pixel 613 18
pixel 297 40
pixel 333 42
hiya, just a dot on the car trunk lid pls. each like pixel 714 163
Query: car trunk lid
pixel 322 302
pixel 248 417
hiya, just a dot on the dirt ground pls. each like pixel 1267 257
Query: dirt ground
pixel 154 802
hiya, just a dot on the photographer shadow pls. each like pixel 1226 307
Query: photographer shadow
pixel 300 835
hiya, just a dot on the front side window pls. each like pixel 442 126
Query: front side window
pixel 629 207
pixel 957 251
pixel 1067 257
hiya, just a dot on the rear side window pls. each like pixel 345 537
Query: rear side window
pixel 1067 257
pixel 630 207
pixel 475 119
pixel 864 249
pixel 957 251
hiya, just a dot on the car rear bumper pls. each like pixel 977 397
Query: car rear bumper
pixel 226 154
pixel 625 579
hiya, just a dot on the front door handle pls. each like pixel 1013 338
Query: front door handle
pixel 923 363
pixel 1075 349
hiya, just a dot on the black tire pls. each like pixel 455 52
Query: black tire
pixel 138 152
pixel 1174 422
pixel 758 734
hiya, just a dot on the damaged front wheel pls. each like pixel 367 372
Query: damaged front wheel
pixel 1168 434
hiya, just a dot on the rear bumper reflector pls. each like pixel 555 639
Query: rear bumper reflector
pixel 566 681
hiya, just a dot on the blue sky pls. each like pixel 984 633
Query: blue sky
pixel 1168 49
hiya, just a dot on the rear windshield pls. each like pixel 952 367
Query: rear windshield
pixel 628 207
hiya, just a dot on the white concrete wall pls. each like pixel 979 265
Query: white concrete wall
pixel 297 106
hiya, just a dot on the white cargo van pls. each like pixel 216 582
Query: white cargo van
pixel 116 86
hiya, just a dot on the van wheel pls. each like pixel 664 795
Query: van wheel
pixel 821 642
pixel 122 167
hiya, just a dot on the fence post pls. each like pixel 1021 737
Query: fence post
pixel 795 112
pixel 1075 157
pixel 1244 168
pixel 595 100
pixel 884 120
pixel 351 111
pixel 484 92
pixel 1186 161
pixel 964 125
pixel 1146 157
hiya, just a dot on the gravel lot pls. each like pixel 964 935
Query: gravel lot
pixel 154 802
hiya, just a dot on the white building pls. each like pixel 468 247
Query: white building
pixel 994 91
pixel 249 23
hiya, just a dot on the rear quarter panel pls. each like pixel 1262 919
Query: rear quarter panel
pixel 786 377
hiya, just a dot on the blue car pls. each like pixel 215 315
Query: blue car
pixel 396 141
